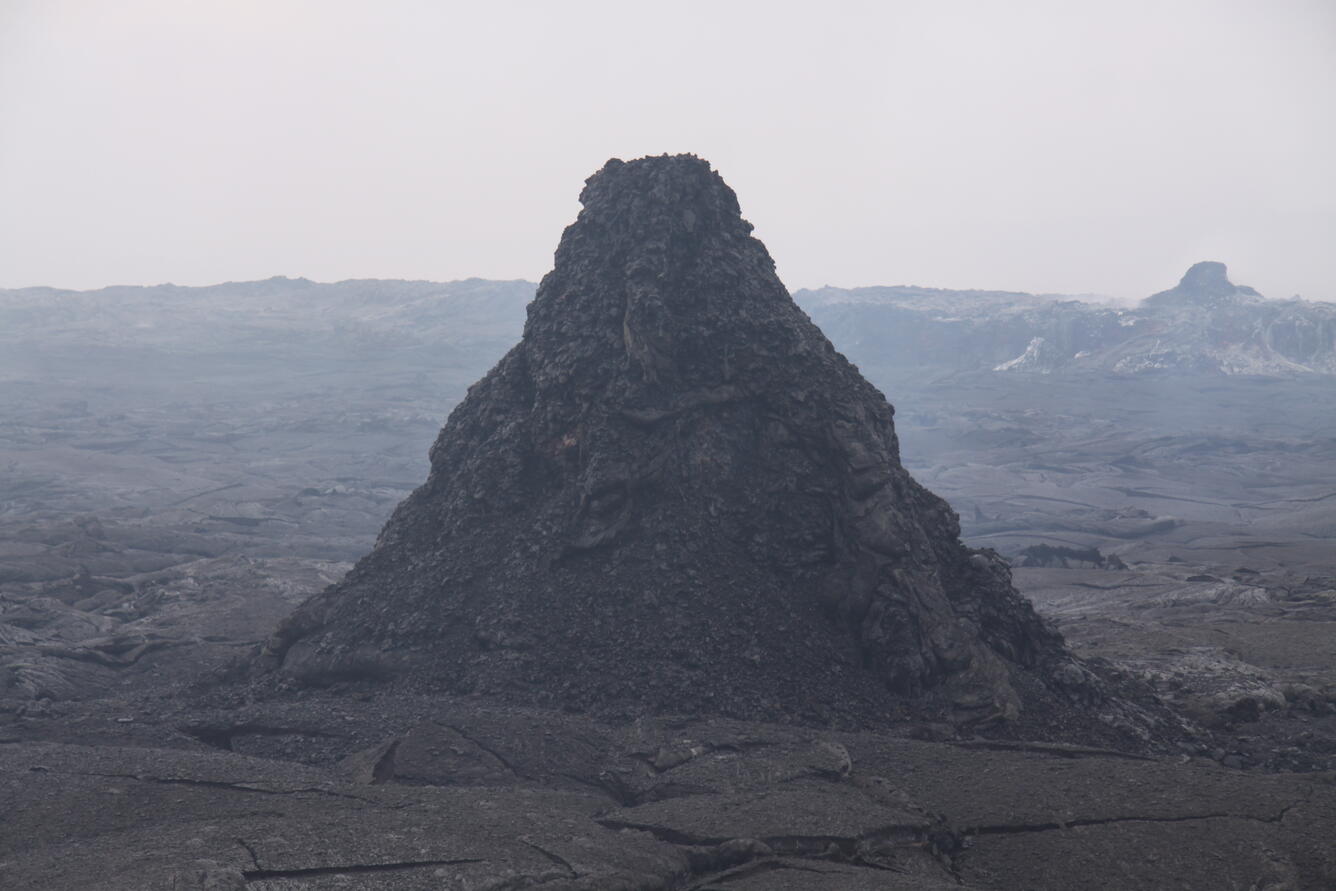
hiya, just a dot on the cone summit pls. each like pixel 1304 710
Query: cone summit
pixel 674 495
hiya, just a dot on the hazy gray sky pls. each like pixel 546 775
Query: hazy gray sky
pixel 1042 146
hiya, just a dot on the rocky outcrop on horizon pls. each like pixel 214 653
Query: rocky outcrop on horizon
pixel 1204 325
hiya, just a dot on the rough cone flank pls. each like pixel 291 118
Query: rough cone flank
pixel 674 495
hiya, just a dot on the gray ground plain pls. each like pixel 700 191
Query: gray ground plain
pixel 165 499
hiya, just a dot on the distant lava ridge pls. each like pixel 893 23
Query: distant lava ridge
pixel 675 496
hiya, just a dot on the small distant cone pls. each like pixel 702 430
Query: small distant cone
pixel 1206 284
pixel 674 495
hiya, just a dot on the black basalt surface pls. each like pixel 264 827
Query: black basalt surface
pixel 674 495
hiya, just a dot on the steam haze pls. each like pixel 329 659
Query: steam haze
pixel 1048 147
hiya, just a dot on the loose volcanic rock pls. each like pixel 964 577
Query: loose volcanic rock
pixel 675 496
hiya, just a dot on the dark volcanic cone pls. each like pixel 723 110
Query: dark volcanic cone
pixel 674 495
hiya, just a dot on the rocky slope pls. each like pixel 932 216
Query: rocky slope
pixel 675 495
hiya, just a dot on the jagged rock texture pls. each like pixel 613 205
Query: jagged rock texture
pixel 675 495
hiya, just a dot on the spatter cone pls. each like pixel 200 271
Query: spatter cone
pixel 674 495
